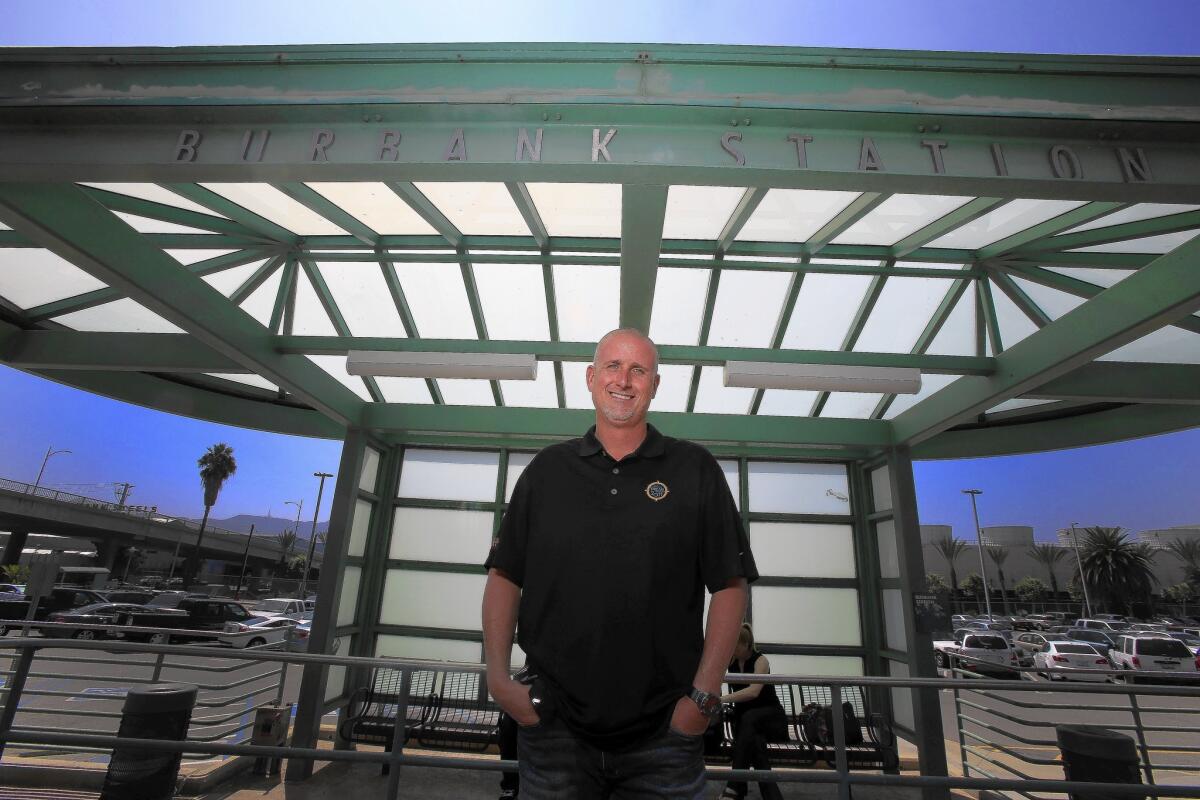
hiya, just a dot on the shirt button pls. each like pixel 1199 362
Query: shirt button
pixel 613 491
pixel 616 471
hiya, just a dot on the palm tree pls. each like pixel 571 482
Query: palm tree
pixel 287 543
pixel 216 466
pixel 1048 556
pixel 950 549
pixel 998 553
pixel 1188 551
pixel 1117 570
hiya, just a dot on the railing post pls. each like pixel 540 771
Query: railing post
pixel 283 671
pixel 398 730
pixel 839 742
pixel 1141 735
pixel 156 675
pixel 13 694
pixel 959 722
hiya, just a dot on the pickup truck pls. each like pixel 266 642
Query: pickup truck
pixel 203 614
pixel 977 651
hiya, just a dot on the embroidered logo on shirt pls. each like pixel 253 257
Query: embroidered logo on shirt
pixel 657 491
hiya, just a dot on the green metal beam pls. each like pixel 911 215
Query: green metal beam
pixel 75 227
pixel 968 212
pixel 427 211
pixel 738 219
pixel 781 323
pixel 552 319
pixel 1156 226
pixel 115 201
pixel 280 309
pixel 1044 230
pixel 238 295
pixel 858 208
pixel 643 210
pixel 1020 299
pixel 319 204
pixel 1125 382
pixel 227 208
pixel 854 331
pixel 1162 292
pixel 991 322
pixel 406 319
pixel 113 352
pixel 481 333
pixel 533 220
pixel 710 303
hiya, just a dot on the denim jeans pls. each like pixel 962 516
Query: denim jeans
pixel 555 765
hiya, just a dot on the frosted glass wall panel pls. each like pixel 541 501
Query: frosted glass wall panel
pixel 348 602
pixel 438 299
pixel 575 388
pixel 902 704
pixel 370 470
pixel 432 599
pixel 449 475
pixel 311 319
pixel 440 534
pixel 359 528
pixel 424 647
pixel 851 405
pixel 903 309
pixel 335 684
pixel 714 397
pixel 699 212
pixel 893 620
pixel 747 306
pixel 404 390
pixel 541 392
pixel 362 295
pixel 678 305
pixel 787 402
pixel 589 301
pixel 790 488
pixel 579 209
pixel 513 297
pixel 805 615
pixel 517 462
pixel 957 336
pixel 466 392
pixel 824 309
pixel 730 468
pixel 815 665
pixel 801 550
pixel 889 554
pixel 674 382
pixel 881 489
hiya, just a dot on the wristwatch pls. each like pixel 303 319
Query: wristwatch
pixel 708 703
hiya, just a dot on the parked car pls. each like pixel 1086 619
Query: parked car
pixel 203 614
pixel 139 597
pixel 977 651
pixel 1193 642
pixel 11 588
pixel 95 614
pixel 257 631
pixel 1144 627
pixel 1041 622
pixel 1114 625
pixel 1068 660
pixel 1106 639
pixel 280 607
pixel 1156 658
pixel 1028 645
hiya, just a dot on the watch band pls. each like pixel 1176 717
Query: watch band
pixel 708 703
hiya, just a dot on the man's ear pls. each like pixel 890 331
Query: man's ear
pixel 588 374
pixel 654 391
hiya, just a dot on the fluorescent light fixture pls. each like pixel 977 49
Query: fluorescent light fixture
pixel 822 377
pixel 488 366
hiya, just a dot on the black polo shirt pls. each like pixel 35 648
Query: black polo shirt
pixel 612 559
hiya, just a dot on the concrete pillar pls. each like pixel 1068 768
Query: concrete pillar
pixel 13 547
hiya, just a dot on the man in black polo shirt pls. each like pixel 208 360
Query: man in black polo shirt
pixel 605 552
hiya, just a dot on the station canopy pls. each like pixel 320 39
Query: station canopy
pixel 212 231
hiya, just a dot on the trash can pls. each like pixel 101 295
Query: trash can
pixel 1095 754
pixel 161 711
pixel 270 729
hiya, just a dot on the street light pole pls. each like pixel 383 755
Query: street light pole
pixel 245 560
pixel 50 451
pixel 1087 603
pixel 299 506
pixel 312 536
pixel 987 595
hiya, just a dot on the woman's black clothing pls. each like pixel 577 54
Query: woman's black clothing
pixel 756 722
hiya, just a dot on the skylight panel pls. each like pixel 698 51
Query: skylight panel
pixel 675 381
pixel 187 257
pixel 793 215
pixel 824 310
pixel 899 216
pixel 228 280
pixel 125 316
pixel 999 223
pixel 466 392
pixel 902 311
pixel 787 402
pixel 148 225
pixel 538 393
pixel 513 297
pixel 1163 243
pixel 678 311
pixel 1169 345
pixel 438 299
pixel 949 266
pixel 1135 213
pixel 1016 403
pixel 1014 325
pixel 850 405
pixel 272 204
pixel 376 206
pixel 261 302
pixel 588 301
pixel 246 379
pixel 713 397
pixel 578 209
pixel 957 334
pixel 336 367
pixel 930 383
pixel 362 295
pixel 310 318
pixel 477 209
pixel 1105 278
pixel 30 277
pixel 1052 301
pixel 404 390
pixel 747 308
pixel 575 384
pixel 155 194
pixel 699 212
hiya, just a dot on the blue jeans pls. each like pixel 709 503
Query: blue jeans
pixel 555 765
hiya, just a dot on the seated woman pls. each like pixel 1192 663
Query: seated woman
pixel 758 717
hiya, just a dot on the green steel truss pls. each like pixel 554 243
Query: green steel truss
pixel 1053 255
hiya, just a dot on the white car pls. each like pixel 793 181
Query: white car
pixel 1155 658
pixel 983 652
pixel 257 632
pixel 280 607
pixel 1071 661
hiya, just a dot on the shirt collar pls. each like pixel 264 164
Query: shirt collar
pixel 652 446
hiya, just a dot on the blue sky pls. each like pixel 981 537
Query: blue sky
pixel 1147 483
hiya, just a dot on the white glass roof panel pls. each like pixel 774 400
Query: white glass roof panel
pixel 930 383
pixel 1099 277
pixel 376 206
pixel 678 305
pixel 850 405
pixel 747 308
pixel 31 276
pixel 362 295
pixel 272 204
pixel 1169 345
pixel 4 227
pixel 538 393
pixel 1014 325
pixel 148 225
pixel 476 209
pixel 1134 213
pixel 575 384
pixel 155 194
pixel 588 301
pixel 793 215
pixel 1052 301
pixel 438 299
pixel 824 309
pixel 310 317
pixel 186 257
pixel 466 392
pixel 715 397
pixel 787 402
pixel 261 302
pixel 404 390
pixel 245 378
pixel 228 280
pixel 578 209
pixel 899 216
pixel 123 315
pixel 957 334
pixel 699 212
pixel 932 265
pixel 336 367
pixel 1010 218
pixel 902 311
pixel 1015 403
pixel 513 297
pixel 1149 244
pixel 675 380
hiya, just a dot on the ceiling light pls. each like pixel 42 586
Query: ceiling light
pixel 822 377
pixel 486 366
